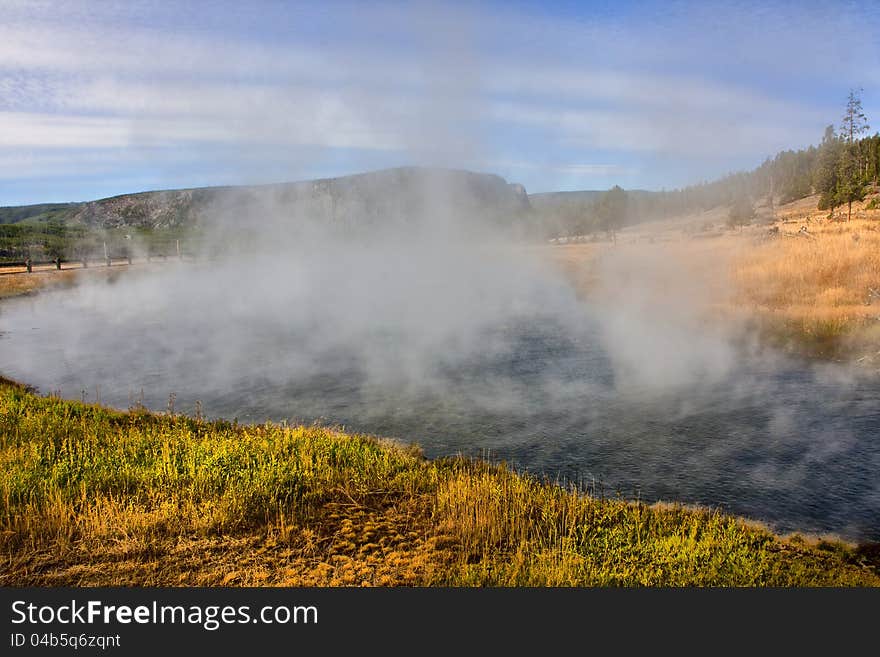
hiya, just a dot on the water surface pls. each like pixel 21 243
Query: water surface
pixel 788 443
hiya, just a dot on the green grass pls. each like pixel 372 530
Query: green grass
pixel 91 496
pixel 40 212
pixel 42 238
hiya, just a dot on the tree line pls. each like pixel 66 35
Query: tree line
pixel 841 169
pixel 43 241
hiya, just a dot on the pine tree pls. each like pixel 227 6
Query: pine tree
pixel 854 122
pixel 852 126
pixel 873 158
pixel 828 170
pixel 611 210
pixel 850 183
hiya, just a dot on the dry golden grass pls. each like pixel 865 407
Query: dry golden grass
pixel 19 283
pixel 118 543
pixel 578 261
pixel 16 281
pixel 817 294
pixel 831 271
pixel 821 290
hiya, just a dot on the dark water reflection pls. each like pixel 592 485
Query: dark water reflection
pixel 787 443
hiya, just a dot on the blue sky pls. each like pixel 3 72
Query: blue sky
pixel 103 98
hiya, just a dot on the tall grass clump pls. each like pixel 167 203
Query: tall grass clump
pixel 76 472
pixel 820 291
pixel 517 531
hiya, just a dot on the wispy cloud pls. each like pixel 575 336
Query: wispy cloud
pixel 591 170
pixel 581 98
pixel 597 170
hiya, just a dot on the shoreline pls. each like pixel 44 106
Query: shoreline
pixel 766 326
pixel 865 552
pixel 479 479
pixel 811 537
pixel 806 359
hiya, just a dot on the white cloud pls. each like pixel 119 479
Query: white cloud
pixel 49 48
pixel 331 127
pixel 634 91
pixel 42 163
pixel 593 95
pixel 20 129
pixel 691 134
pixel 592 170
pixel 597 170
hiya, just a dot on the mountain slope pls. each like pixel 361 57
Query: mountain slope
pixel 363 197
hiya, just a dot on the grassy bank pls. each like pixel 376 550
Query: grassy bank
pixel 18 284
pixel 44 279
pixel 815 294
pixel 820 291
pixel 90 496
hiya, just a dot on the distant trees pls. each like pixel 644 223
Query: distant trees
pixel 851 186
pixel 872 158
pixel 827 172
pixel 56 238
pixel 611 211
pixel 846 163
pixel 839 169
pixel 771 200
pixel 742 212
pixel 852 175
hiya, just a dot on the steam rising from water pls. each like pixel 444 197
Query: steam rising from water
pixel 394 302
pixel 432 326
pixel 428 321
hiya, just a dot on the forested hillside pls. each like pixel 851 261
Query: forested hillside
pixel 364 202
pixel 842 168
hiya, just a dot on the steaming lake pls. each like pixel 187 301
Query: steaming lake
pixel 792 444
